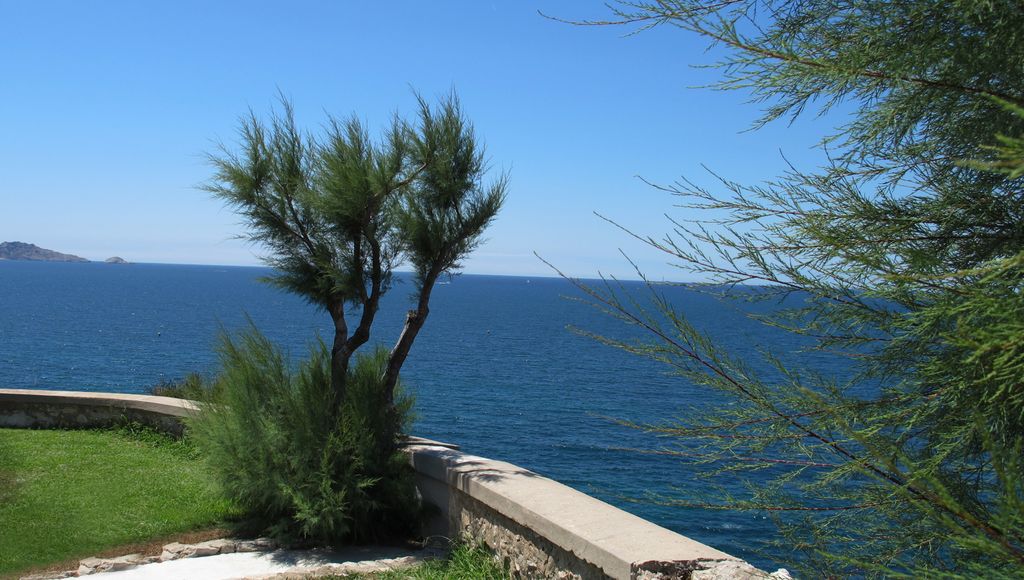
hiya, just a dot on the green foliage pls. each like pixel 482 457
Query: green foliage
pixel 464 561
pixel 444 212
pixel 147 435
pixel 904 253
pixel 1009 152
pixel 338 211
pixel 193 387
pixel 73 494
pixel 301 463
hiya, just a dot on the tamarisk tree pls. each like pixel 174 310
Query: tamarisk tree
pixel 906 254
pixel 337 212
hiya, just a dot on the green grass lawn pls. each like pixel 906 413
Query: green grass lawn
pixel 71 494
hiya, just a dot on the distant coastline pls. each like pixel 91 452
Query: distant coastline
pixel 21 251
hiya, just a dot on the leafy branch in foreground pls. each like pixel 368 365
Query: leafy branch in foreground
pixel 904 254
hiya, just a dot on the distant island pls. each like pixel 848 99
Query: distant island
pixel 116 260
pixel 23 251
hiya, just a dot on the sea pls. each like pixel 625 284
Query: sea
pixel 504 366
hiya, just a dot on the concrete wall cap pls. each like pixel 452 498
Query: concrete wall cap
pixel 602 534
pixel 163 405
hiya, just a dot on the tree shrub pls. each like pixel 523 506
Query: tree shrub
pixel 276 440
pixel 313 455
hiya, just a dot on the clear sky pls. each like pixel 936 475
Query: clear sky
pixel 108 108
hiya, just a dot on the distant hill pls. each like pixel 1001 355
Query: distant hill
pixel 116 260
pixel 23 251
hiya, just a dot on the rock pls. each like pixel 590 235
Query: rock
pixel 727 570
pixel 255 545
pixel 91 562
pixel 120 563
pixel 222 546
pixel 200 550
pixel 94 565
pixel 23 251
pixel 174 550
pixel 266 543
pixel 123 562
pixel 88 566
pixel 174 547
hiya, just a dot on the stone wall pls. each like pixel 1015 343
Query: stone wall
pixel 526 553
pixel 543 529
pixel 50 409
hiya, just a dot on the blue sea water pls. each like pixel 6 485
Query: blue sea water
pixel 495 369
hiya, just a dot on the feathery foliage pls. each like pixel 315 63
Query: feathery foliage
pixel 292 462
pixel 906 251
pixel 337 212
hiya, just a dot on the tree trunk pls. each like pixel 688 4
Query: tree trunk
pixel 413 323
pixel 340 352
pixel 370 302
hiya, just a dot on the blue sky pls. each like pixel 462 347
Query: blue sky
pixel 108 108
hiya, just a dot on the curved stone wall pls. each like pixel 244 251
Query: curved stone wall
pixel 41 409
pixel 538 526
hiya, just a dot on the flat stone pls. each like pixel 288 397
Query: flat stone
pixel 255 545
pixel 89 566
pixel 200 550
pixel 90 562
pixel 266 543
pixel 123 562
pixel 223 546
pixel 176 548
pixel 245 546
